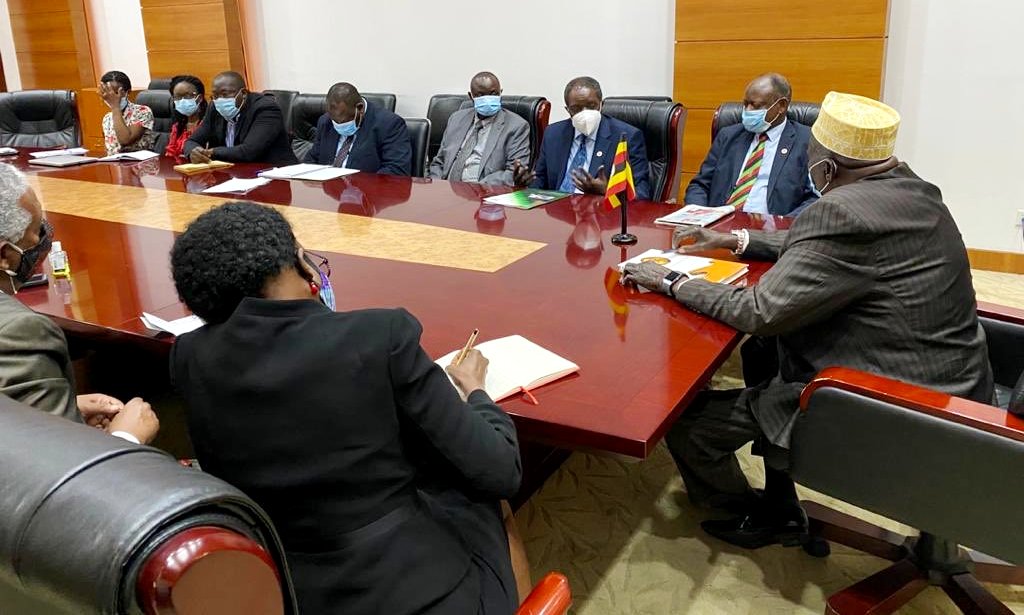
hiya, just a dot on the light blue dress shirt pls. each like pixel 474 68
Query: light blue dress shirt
pixel 757 200
pixel 591 144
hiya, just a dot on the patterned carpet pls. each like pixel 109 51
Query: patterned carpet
pixel 624 533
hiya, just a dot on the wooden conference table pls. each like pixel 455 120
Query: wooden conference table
pixel 433 248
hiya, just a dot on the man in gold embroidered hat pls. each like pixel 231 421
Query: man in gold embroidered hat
pixel 873 276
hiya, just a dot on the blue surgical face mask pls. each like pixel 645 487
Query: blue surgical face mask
pixel 124 104
pixel 226 107
pixel 756 120
pixel 346 129
pixel 810 179
pixel 488 105
pixel 186 106
pixel 326 293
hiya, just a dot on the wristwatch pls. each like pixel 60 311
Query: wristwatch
pixel 669 279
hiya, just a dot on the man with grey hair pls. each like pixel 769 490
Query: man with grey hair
pixel 35 368
pixel 759 165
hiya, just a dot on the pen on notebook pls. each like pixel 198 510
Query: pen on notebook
pixel 466 348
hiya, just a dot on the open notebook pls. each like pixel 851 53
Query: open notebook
pixel 711 269
pixel 310 172
pixel 516 364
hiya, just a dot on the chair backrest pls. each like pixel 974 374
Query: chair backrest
pixel 953 480
pixel 39 118
pixel 381 99
pixel 662 123
pixel 93 524
pixel 161 103
pixel 419 138
pixel 536 110
pixel 306 111
pixel 159 83
pixel 284 99
pixel 729 113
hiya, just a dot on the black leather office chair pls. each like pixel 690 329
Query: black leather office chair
pixel 647 98
pixel 729 113
pixel 284 99
pixel 160 102
pixel 306 111
pixel 419 137
pixel 536 110
pixel 662 122
pixel 159 83
pixel 93 524
pixel 381 99
pixel 951 467
pixel 39 118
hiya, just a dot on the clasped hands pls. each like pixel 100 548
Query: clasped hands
pixel 110 414
pixel 581 178
pixel 685 240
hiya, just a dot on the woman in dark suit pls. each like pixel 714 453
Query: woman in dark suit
pixel 384 484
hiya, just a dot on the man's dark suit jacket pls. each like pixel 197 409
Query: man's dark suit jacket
pixel 259 135
pixel 554 154
pixel 330 421
pixel 382 143
pixel 873 276
pixel 788 190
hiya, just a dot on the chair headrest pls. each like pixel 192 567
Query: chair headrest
pixel 83 510
pixel 38 118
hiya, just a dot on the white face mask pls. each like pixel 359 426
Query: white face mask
pixel 586 121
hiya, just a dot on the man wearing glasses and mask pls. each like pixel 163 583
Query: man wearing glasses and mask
pixel 35 368
pixel 760 165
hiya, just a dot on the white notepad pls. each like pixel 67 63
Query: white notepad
pixel 237 185
pixel 310 172
pixel 179 326
pixel 70 151
pixel 516 364
pixel 139 156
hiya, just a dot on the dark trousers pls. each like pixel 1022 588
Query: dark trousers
pixel 704 442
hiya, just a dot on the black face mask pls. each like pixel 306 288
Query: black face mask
pixel 30 257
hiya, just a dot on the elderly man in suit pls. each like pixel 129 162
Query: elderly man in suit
pixel 576 154
pixel 35 368
pixel 482 143
pixel 872 276
pixel 356 134
pixel 759 166
pixel 240 126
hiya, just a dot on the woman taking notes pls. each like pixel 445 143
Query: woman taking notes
pixel 384 484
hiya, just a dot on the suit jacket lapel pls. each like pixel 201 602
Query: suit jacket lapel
pixel 604 147
pixel 460 126
pixel 561 154
pixel 330 142
pixel 497 128
pixel 782 155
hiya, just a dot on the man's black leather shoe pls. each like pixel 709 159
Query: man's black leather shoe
pixel 761 528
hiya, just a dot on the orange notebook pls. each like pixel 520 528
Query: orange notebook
pixel 711 269
pixel 191 168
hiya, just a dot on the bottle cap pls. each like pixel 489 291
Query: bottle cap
pixel 56 246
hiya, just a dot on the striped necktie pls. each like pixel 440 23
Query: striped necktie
pixel 749 175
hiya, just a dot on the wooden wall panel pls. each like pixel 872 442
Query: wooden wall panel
pixel 204 48
pixel 714 20
pixel 707 74
pixel 721 46
pixel 51 41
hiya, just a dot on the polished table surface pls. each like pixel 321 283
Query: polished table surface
pixel 642 356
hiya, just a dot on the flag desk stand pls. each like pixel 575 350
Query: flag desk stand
pixel 625 238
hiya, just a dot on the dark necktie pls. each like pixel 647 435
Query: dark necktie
pixel 455 173
pixel 343 151
pixel 578 162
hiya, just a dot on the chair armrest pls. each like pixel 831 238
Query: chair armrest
pixel 1000 312
pixel 549 597
pixel 941 405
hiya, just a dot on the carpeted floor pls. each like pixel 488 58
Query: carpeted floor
pixel 624 533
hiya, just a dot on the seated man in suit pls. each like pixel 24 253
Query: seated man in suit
pixel 35 368
pixel 576 154
pixel 482 143
pixel 873 276
pixel 356 134
pixel 759 166
pixel 240 126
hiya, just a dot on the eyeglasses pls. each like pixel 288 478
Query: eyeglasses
pixel 321 262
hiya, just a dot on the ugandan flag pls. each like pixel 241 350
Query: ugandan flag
pixel 621 179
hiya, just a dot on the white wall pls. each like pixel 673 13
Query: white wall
pixel 118 39
pixel 954 71
pixel 420 48
pixel 11 74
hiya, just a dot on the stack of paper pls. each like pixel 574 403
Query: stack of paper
pixel 516 364
pixel 711 269
pixel 71 151
pixel 139 156
pixel 696 215
pixel 237 185
pixel 311 172
pixel 8 151
pixel 192 168
pixel 176 327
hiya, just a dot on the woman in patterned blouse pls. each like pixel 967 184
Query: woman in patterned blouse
pixel 131 128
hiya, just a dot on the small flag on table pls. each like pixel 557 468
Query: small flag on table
pixel 621 178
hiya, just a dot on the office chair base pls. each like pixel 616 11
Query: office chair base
pixel 919 562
